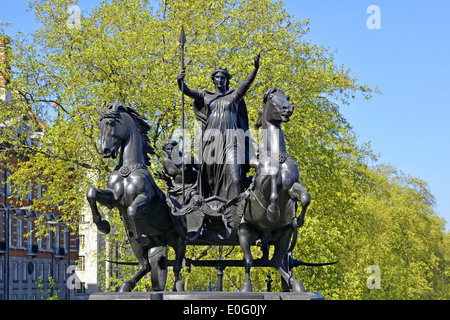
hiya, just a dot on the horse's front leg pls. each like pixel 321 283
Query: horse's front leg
pixel 298 193
pixel 273 210
pixel 104 197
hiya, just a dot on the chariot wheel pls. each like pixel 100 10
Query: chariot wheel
pixel 158 274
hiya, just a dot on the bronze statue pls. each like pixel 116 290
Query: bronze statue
pixel 213 205
pixel 225 148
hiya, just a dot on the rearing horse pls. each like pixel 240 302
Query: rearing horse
pixel 132 190
pixel 271 203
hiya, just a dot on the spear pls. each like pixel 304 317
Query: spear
pixel 182 41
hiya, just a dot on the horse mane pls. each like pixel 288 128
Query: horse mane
pixel 111 111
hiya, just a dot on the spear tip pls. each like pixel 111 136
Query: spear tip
pixel 182 36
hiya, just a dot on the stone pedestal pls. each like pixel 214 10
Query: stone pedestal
pixel 206 295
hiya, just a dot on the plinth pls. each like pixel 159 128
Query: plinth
pixel 206 295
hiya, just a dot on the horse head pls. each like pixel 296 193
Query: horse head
pixel 116 123
pixel 112 130
pixel 276 108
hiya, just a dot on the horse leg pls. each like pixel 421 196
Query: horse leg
pixel 139 204
pixel 141 254
pixel 281 248
pixel 273 210
pixel 104 197
pixel 299 193
pixel 180 252
pixel 246 238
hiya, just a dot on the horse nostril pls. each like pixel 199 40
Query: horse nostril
pixel 288 109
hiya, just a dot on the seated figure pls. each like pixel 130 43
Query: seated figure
pixel 173 173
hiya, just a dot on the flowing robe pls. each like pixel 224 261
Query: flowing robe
pixel 224 145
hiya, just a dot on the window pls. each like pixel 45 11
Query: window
pixel 19 227
pixel 39 190
pixel 24 272
pixel 30 192
pixel 30 237
pixel 66 235
pixel 56 276
pixel 33 275
pixel 80 288
pixel 49 240
pixel 58 237
pixel 40 242
pixel 8 184
pixel 49 272
pixel 82 241
pixel 81 263
pixel 15 271
pixel 41 271
pixel 65 272
pixel 1 270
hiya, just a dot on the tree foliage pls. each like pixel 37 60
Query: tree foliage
pixel 128 51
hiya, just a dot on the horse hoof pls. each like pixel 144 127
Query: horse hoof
pixel 178 286
pixel 104 226
pixel 247 287
pixel 126 287
pixel 297 286
pixel 298 223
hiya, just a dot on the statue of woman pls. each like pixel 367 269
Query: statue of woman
pixel 224 146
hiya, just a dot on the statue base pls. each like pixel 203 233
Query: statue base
pixel 206 295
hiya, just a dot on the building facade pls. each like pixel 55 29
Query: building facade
pixel 33 266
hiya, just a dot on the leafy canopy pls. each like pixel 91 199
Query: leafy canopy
pixel 128 50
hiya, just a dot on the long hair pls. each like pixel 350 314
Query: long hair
pixel 225 72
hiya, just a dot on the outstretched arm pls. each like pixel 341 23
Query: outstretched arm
pixel 183 87
pixel 243 88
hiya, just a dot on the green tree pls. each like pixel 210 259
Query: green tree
pixel 47 293
pixel 127 50
pixel 61 75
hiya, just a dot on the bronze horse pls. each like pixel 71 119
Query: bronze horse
pixel 271 203
pixel 132 190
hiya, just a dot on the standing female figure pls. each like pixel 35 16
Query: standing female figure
pixel 225 136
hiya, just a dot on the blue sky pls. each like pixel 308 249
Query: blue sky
pixel 407 58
